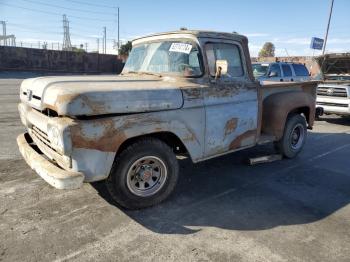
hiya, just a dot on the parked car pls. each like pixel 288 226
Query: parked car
pixel 183 92
pixel 280 72
pixel 333 94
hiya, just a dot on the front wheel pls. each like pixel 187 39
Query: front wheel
pixel 143 174
pixel 294 136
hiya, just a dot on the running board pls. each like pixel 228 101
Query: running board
pixel 264 139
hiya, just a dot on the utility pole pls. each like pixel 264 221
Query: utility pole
pixel 4 32
pixel 104 40
pixel 67 45
pixel 118 32
pixel 86 45
pixel 329 22
pixel 98 45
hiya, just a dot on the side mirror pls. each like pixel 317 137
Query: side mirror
pixel 273 74
pixel 221 68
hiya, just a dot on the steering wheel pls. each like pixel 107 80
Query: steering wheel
pixel 182 66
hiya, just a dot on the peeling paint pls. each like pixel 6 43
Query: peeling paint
pixel 230 126
pixel 245 139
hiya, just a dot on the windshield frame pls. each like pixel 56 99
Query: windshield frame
pixel 189 40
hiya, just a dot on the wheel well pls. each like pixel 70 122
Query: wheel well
pixel 305 111
pixel 167 137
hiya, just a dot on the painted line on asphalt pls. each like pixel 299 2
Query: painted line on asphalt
pixel 328 152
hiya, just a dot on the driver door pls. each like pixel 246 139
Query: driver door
pixel 231 102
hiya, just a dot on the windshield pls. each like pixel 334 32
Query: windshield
pixel 166 57
pixel 260 69
pixel 338 77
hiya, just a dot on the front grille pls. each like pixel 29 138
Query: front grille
pixel 42 136
pixel 331 104
pixel 332 91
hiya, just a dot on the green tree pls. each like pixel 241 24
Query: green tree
pixel 79 49
pixel 125 49
pixel 268 50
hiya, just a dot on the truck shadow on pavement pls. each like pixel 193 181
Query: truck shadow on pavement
pixel 227 193
pixel 345 120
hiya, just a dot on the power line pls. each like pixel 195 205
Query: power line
pixel 53 13
pixel 25 28
pixel 32 29
pixel 68 8
pixel 90 4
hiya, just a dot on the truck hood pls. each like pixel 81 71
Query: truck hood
pixel 334 64
pixel 99 95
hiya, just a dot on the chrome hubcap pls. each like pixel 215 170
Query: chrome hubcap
pixel 297 137
pixel 146 176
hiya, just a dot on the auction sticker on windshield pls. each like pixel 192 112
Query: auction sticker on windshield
pixel 181 48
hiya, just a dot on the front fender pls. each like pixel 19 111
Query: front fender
pixel 108 134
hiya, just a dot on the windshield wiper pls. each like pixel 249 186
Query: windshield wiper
pixel 144 73
pixel 150 73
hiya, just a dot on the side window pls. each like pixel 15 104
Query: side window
pixel 287 71
pixel 275 68
pixel 228 52
pixel 193 62
pixel 300 70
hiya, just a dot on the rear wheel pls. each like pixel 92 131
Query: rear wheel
pixel 294 136
pixel 144 174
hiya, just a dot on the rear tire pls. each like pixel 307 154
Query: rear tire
pixel 294 136
pixel 144 174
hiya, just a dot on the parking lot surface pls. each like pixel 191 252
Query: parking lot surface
pixel 222 209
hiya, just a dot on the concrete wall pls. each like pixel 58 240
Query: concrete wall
pixel 30 59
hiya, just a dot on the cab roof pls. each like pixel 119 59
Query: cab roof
pixel 199 34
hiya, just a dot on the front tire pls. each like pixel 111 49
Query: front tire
pixel 144 174
pixel 294 136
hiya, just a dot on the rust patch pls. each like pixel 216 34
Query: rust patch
pixel 108 141
pixel 239 141
pixel 82 101
pixel 230 126
pixel 222 90
pixel 103 134
pixel 61 99
pixel 190 138
pixel 192 93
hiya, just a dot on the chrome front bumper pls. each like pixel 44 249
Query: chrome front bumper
pixel 334 105
pixel 51 173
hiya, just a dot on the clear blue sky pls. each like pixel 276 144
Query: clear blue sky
pixel 289 24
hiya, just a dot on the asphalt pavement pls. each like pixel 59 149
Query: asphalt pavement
pixel 222 209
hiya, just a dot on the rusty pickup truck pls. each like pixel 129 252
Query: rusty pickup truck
pixel 180 93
